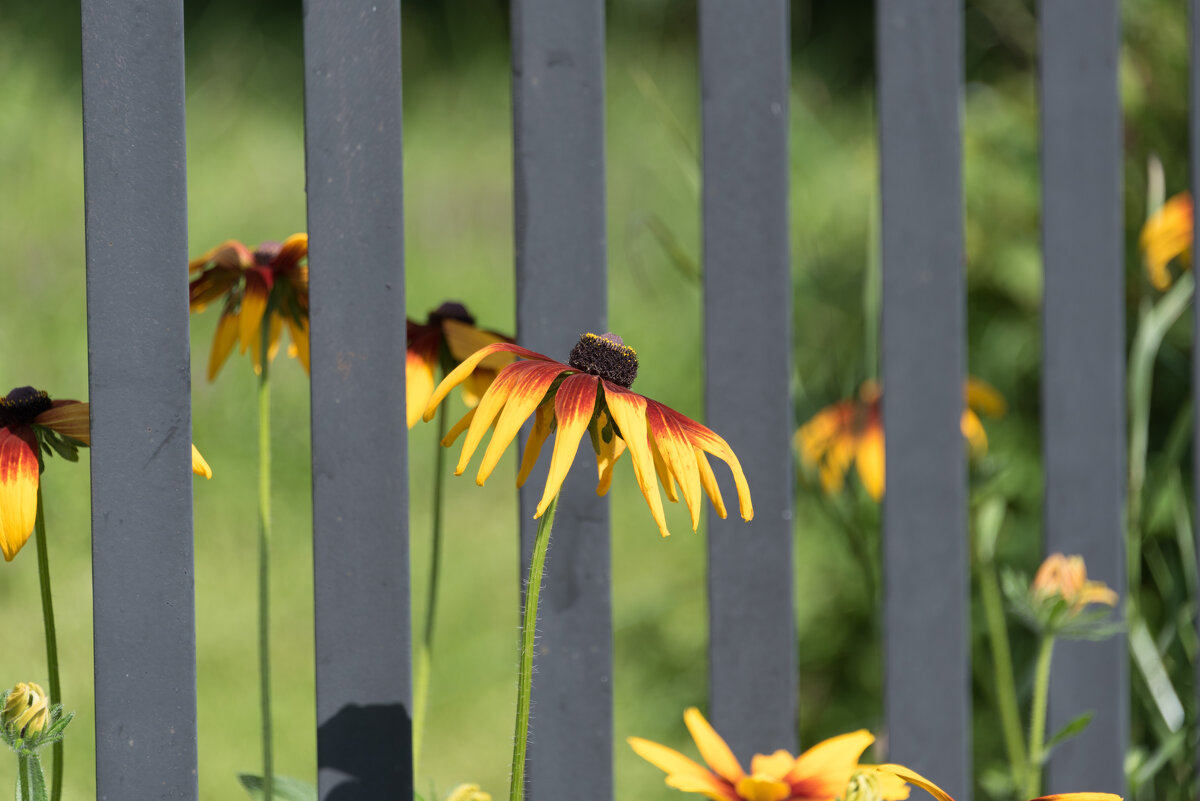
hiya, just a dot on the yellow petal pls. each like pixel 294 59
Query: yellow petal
pixel 776 765
pixel 972 430
pixel 607 458
pixel 574 405
pixel 223 341
pixel 709 482
pixel 628 410
pixel 489 406
pixel 254 304
pixel 299 333
pixel 69 418
pixel 714 750
pixel 463 339
pixel 543 422
pixel 457 429
pixel 704 439
pixel 418 381
pixel 869 461
pixel 18 489
pixel 666 759
pixel 199 465
pixel 891 786
pixel 459 374
pixel 912 777
pixel 763 788
pixel 673 443
pixel 663 472
pixel 1166 235
pixel 529 386
pixel 983 398
pixel 824 770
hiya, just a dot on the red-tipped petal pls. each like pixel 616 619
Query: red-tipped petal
pixel 229 254
pixel 293 250
pixel 420 361
pixel 459 374
pixel 529 387
pixel 543 422
pixel 677 451
pixel 628 411
pixel 18 488
pixel 707 441
pixel 574 405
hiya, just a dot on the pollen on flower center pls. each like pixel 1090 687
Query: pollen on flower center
pixel 451 310
pixel 22 405
pixel 605 356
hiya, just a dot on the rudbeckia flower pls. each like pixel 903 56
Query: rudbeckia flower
pixel 912 777
pixel 822 773
pixel 1066 577
pixel 590 393
pixel 1166 236
pixel 447 337
pixel 851 431
pixel 31 424
pixel 266 286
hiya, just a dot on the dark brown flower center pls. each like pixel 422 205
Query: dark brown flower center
pixel 265 253
pixel 606 356
pixel 451 310
pixel 22 405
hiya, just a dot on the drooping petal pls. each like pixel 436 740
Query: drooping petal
pixel 663 472
pixel 485 413
pixel 211 285
pixel 823 771
pixel 229 254
pixel 463 339
pixel 709 482
pixel 707 441
pixel 528 389
pixel 457 429
pixel 293 250
pixel 982 397
pixel 776 765
pixel 607 455
pixel 299 333
pixel 574 405
pixel 912 777
pixel 543 423
pixel 199 465
pixel 677 451
pixel 419 363
pixel 682 773
pixel 716 751
pixel 628 410
pixel 869 460
pixel 223 341
pixel 250 316
pixel 972 430
pixel 18 488
pixel 69 418
pixel 459 374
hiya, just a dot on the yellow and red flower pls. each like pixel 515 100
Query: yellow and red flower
pixel 32 424
pixel 266 286
pixel 851 431
pixel 447 337
pixel 912 777
pixel 1167 235
pixel 590 393
pixel 822 773
pixel 1066 577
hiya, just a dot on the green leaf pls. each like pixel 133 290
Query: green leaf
pixel 1073 728
pixel 284 788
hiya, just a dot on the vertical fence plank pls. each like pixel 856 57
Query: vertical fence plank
pixel 139 383
pixel 920 57
pixel 558 152
pixel 1083 347
pixel 744 74
pixel 360 475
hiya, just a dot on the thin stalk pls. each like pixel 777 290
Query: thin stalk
pixel 1037 722
pixel 533 589
pixel 1006 685
pixel 264 569
pixel 425 654
pixel 43 559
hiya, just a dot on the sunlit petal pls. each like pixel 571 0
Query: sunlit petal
pixel 528 389
pixel 224 339
pixel 912 777
pixel 543 422
pixel 419 363
pixel 18 488
pixel 682 773
pixel 628 411
pixel 485 413
pixel 704 439
pixel 869 461
pixel 199 465
pixel 972 431
pixel 824 770
pixel 709 482
pixel 715 751
pixel 677 450
pixel 574 405
pixel 460 373
pixel 663 472
pixel 776 765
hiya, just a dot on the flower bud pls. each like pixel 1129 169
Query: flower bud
pixel 864 786
pixel 26 711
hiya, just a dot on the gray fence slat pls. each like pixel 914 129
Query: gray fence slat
pixel 1194 149
pixel 359 434
pixel 744 76
pixel 1083 358
pixel 139 385
pixel 558 148
pixel 927 653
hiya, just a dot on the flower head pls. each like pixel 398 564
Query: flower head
pixel 912 777
pixel 32 426
pixel 1065 577
pixel 1167 235
pixel 26 711
pixel 590 393
pixel 267 286
pixel 822 773
pixel 851 431
pixel 447 337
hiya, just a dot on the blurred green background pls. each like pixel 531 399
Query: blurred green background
pixel 246 181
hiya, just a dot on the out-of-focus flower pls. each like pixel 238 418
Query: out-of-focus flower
pixel 199 464
pixel 468 792
pixel 1167 235
pixel 266 286
pixel 590 393
pixel 447 337
pixel 26 711
pixel 822 773
pixel 851 432
pixel 912 777
pixel 1065 577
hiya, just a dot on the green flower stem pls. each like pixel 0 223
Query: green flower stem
pixel 425 654
pixel 264 568
pixel 31 782
pixel 533 589
pixel 1006 685
pixel 1037 723
pixel 43 559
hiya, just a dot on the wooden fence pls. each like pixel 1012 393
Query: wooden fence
pixel 145 666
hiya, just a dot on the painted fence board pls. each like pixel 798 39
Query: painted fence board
pixel 139 386
pixel 744 77
pixel 359 434
pixel 926 592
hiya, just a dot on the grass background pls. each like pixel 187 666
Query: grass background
pixel 246 181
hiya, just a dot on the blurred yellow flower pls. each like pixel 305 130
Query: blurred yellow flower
pixel 1066 577
pixel 912 777
pixel 26 710
pixel 1167 235
pixel 468 792
pixel 822 773
pixel 851 431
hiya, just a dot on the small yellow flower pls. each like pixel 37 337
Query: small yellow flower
pixel 26 710
pixel 468 792
pixel 912 777
pixel 1066 577
pixel 851 431
pixel 1167 235
pixel 822 773
pixel 447 337
pixel 590 393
